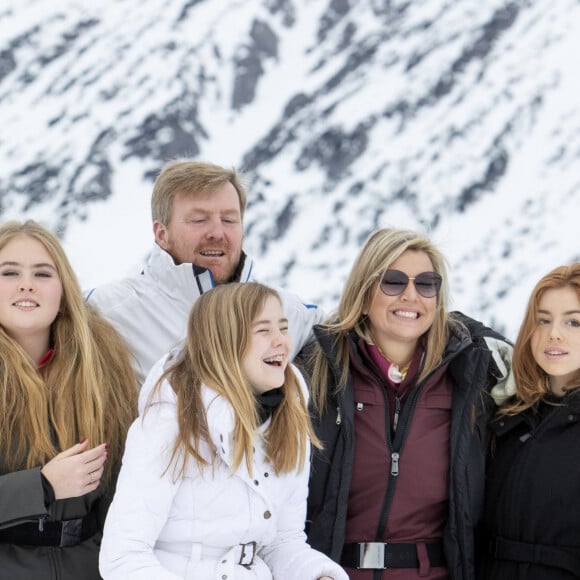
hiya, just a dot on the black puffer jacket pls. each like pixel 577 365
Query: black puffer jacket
pixel 22 502
pixel 473 372
pixel 532 495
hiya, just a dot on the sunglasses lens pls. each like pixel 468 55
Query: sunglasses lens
pixel 428 284
pixel 394 282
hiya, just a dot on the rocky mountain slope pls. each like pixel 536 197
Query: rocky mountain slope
pixel 455 117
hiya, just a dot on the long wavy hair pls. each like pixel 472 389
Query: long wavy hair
pixel 531 380
pixel 380 250
pixel 87 389
pixel 219 328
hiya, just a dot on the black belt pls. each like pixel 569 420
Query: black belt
pixel 376 555
pixel 554 556
pixel 64 533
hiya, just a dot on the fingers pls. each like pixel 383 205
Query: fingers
pixel 95 471
pixel 94 454
pixel 74 450
pixel 94 479
pixel 75 472
pixel 93 464
pixel 84 453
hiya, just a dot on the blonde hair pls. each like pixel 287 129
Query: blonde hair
pixel 380 250
pixel 531 380
pixel 87 389
pixel 219 328
pixel 187 177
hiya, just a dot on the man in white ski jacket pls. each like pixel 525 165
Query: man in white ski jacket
pixel 197 210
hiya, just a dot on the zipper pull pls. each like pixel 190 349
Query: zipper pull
pixel 41 523
pixel 394 464
pixel 397 412
pixel 338 416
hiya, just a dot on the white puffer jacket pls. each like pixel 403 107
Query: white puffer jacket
pixel 151 309
pixel 202 526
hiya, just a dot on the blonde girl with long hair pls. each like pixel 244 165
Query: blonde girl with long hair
pixel 215 472
pixel 67 397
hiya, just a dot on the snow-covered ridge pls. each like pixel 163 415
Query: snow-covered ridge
pixel 457 117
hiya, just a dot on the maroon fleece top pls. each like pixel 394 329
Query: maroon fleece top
pixel 419 509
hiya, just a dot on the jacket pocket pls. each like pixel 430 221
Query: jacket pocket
pixel 441 401
pixel 367 397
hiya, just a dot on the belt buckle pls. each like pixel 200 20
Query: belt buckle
pixel 70 532
pixel 248 554
pixel 371 555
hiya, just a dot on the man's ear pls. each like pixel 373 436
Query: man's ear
pixel 160 232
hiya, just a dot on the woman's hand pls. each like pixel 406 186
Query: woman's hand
pixel 76 471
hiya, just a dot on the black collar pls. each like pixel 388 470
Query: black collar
pixel 267 402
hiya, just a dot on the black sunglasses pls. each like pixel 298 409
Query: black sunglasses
pixel 394 283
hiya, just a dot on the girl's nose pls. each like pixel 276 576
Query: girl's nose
pixel 27 286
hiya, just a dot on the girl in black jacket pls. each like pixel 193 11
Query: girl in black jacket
pixel 67 396
pixel 532 510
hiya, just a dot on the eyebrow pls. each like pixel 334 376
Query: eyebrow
pixel 39 265
pixel 203 211
pixel 567 313
pixel 280 321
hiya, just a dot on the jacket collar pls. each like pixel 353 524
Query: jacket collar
pixel 459 339
pixel 179 280
pixel 502 424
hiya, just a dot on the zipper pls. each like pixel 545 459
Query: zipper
pixel 41 523
pixel 525 455
pixel 394 464
pixel 401 430
pixel 395 449
pixel 397 413
pixel 54 563
pixel 340 519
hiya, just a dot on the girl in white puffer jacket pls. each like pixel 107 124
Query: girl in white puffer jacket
pixel 215 472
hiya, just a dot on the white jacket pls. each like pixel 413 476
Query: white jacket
pixel 151 309
pixel 192 528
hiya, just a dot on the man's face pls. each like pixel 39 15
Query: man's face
pixel 205 230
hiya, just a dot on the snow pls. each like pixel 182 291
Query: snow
pixel 88 76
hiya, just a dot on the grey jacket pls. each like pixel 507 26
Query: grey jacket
pixel 23 502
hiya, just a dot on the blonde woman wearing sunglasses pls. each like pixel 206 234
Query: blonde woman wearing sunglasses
pixel 396 380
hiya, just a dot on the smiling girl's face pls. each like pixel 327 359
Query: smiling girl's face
pixel 266 357
pixel 30 293
pixel 555 341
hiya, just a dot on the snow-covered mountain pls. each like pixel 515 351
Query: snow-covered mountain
pixel 459 117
